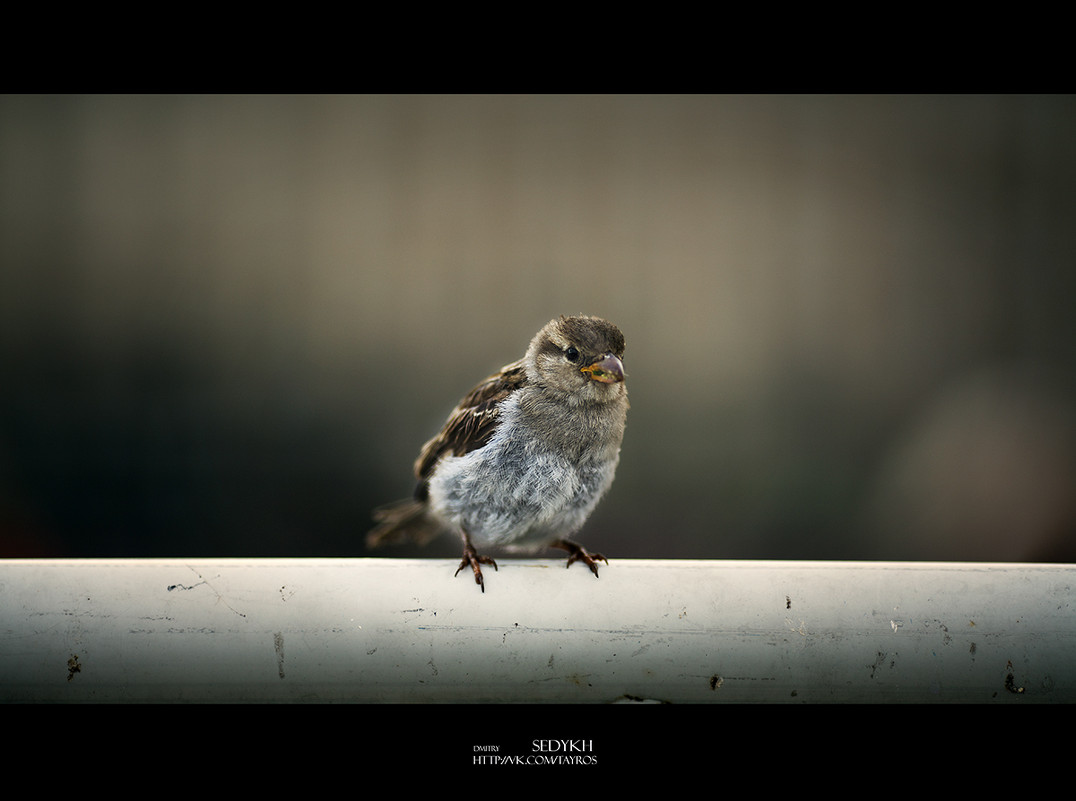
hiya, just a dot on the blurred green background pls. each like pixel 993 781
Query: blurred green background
pixel 228 323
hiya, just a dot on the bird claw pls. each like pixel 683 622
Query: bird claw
pixel 577 553
pixel 471 557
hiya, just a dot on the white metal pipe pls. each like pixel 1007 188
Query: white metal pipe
pixel 400 630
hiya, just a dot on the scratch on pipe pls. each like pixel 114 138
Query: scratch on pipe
pixel 801 629
pixel 879 661
pixel 206 583
pixel 184 586
pixel 278 646
pixel 1010 680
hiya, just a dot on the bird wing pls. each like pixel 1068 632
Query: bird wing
pixel 472 422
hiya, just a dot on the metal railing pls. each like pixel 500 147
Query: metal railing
pixel 402 630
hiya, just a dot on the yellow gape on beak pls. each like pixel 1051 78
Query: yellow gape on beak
pixel 608 369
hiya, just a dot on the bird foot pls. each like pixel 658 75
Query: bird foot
pixel 471 557
pixel 577 553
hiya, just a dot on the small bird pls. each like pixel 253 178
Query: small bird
pixel 525 457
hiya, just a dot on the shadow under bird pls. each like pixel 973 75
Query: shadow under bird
pixel 525 457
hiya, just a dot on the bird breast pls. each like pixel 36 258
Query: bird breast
pixel 528 484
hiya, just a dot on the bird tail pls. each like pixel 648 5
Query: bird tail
pixel 402 522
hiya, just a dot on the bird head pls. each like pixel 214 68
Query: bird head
pixel 582 356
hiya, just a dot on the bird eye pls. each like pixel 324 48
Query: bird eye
pixel 571 354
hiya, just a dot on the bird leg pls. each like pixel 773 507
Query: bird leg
pixel 471 557
pixel 578 553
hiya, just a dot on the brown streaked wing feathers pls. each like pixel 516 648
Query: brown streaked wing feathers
pixel 473 421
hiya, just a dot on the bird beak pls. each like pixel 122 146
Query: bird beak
pixel 608 369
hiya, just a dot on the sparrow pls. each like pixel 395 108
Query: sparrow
pixel 527 454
